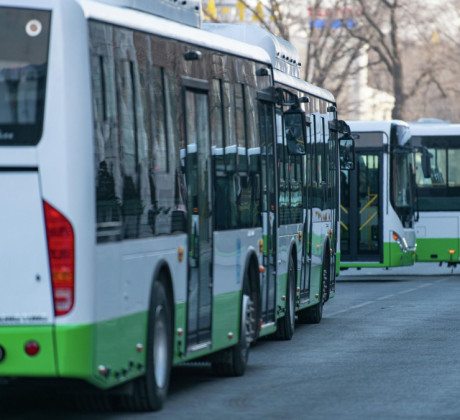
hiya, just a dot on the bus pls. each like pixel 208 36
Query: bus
pixel 438 193
pixel 169 194
pixel 378 198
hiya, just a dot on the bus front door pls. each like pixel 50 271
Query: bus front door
pixel 360 206
pixel 269 203
pixel 199 202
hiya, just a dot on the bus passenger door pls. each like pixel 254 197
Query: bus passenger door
pixel 361 215
pixel 307 198
pixel 269 203
pixel 199 202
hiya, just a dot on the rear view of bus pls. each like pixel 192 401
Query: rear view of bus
pixel 378 199
pixel 37 241
pixel 438 194
pixel 43 144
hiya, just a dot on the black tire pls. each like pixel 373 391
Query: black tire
pixel 314 314
pixel 98 401
pixel 235 359
pixel 286 324
pixel 150 391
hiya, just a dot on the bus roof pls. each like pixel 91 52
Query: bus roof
pixel 372 126
pixel 283 55
pixel 429 129
pixel 149 23
pixel 186 12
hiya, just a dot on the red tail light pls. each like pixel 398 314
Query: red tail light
pixel 62 259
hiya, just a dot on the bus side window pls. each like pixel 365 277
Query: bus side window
pixel 253 148
pixel 283 172
pixel 106 158
pixel 229 183
pixel 317 162
pixel 248 192
pixel 329 180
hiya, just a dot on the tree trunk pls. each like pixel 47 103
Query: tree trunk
pixel 398 92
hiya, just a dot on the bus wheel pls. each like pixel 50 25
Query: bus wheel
pixel 314 314
pixel 234 360
pixel 149 391
pixel 98 401
pixel 285 328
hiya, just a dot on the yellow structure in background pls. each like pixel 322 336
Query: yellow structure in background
pixel 259 12
pixel 237 9
pixel 210 11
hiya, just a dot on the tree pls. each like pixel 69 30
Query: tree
pixel 328 52
pixel 390 28
pixel 331 51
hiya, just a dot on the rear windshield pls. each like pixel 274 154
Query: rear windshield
pixel 24 37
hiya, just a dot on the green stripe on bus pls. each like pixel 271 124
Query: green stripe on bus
pixel 437 249
pixel 392 257
pixel 16 362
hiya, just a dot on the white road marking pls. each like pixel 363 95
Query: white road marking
pixel 360 305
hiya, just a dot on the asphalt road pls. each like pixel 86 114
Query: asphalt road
pixel 387 348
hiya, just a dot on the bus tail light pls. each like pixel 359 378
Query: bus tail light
pixel 60 237
pixel 32 348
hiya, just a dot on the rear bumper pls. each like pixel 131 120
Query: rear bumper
pixel 65 351
pixel 17 362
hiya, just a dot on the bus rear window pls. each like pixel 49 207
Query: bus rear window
pixel 24 38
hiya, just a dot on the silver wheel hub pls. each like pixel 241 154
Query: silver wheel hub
pixel 160 346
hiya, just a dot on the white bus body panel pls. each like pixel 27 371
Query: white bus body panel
pixel 231 251
pixel 129 268
pixel 25 288
pixel 428 225
pixel 64 153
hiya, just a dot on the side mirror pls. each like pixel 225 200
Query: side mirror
pixel 426 163
pixel 347 153
pixel 295 123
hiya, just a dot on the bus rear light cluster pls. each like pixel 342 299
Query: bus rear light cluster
pixel 61 252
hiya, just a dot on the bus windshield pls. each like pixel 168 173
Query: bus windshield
pixel 440 192
pixel 24 36
pixel 402 185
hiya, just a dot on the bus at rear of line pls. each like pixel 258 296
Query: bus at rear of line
pixel 438 192
pixel 378 200
pixel 168 193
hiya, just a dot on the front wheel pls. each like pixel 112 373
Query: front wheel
pixel 149 391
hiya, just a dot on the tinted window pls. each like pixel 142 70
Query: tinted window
pixel 24 36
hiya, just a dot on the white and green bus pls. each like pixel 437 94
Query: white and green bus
pixel 378 198
pixel 438 193
pixel 168 193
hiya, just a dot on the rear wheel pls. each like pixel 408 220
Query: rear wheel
pixel 98 401
pixel 286 325
pixel 234 360
pixel 149 392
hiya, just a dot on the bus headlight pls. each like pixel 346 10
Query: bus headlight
pixel 400 241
